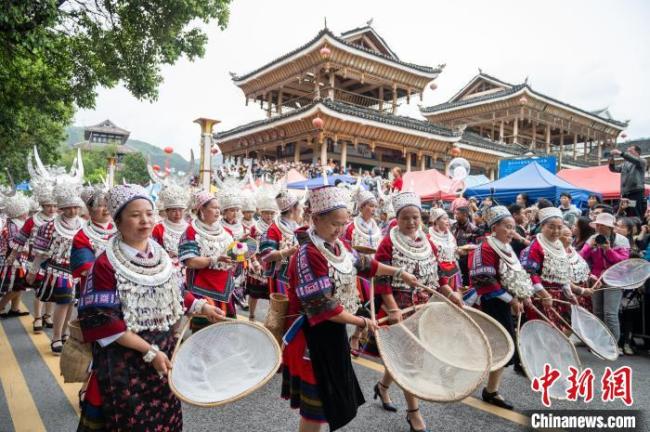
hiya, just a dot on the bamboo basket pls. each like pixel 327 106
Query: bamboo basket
pixel 76 356
pixel 279 304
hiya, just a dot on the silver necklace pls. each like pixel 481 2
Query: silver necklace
pixel 64 229
pixel 446 244
pixel 342 262
pixel 365 233
pixel 412 249
pixel 144 271
pixel 554 248
pixel 39 219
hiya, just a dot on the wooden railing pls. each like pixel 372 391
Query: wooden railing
pixel 295 102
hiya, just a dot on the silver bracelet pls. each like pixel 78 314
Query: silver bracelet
pixel 151 354
pixel 398 274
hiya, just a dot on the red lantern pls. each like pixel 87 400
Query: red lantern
pixel 325 52
pixel 433 86
pixel 318 123
pixel 523 100
pixel 455 152
pixel 168 150
pixel 623 135
pixel 214 150
pixel 156 168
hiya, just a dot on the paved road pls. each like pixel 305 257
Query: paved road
pixel 34 398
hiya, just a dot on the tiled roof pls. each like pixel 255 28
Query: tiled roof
pixel 326 31
pixel 353 110
pixel 512 90
pixel 487 97
pixel 374 32
pixel 107 126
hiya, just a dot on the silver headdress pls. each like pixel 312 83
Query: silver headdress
pixel 54 184
pixel 285 199
pixel 385 201
pixel 93 194
pixel 249 203
pixel 6 193
pixel 16 205
pixel 230 189
pixel 265 197
pixel 173 196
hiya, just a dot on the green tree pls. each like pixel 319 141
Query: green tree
pixel 133 169
pixel 55 53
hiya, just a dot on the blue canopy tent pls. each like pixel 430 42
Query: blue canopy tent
pixel 534 180
pixel 318 181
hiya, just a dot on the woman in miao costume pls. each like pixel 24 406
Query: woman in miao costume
pixel 407 247
pixel 364 232
pixel 43 192
pixel 53 245
pixel 318 377
pixel 248 210
pixel 501 283
pixel 91 240
pixel 230 200
pixel 131 303
pixel 257 284
pixel 580 270
pixel 279 243
pixel 547 262
pixel 168 232
pixel 441 236
pixel 203 250
pixel 12 261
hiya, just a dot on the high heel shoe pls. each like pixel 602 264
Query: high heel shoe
pixel 388 406
pixel 408 420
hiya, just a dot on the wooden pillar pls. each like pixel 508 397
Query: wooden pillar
pixel 344 154
pixel 408 161
pixel 330 91
pixel 380 158
pixel 269 104
pixel 296 152
pixel 423 162
pixel 394 109
pixel 480 130
pixel 381 98
pixel 491 174
pixel 547 141
pixel 599 150
pixel 561 146
pixel 515 130
pixel 323 152
pixel 575 145
pixel 279 105
pixel 501 132
pixel 316 85
pixel 533 142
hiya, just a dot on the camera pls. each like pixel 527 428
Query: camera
pixel 600 239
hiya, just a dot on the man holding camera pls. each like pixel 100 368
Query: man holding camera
pixel 632 177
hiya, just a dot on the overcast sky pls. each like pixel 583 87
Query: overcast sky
pixel 592 54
